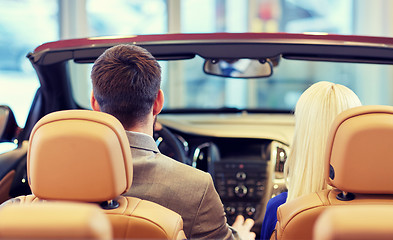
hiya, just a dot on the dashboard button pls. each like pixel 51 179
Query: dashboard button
pixel 240 190
pixel 230 210
pixel 231 182
pixel 241 175
pixel 230 192
pixel 250 211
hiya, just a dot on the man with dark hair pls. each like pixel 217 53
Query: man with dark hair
pixel 126 84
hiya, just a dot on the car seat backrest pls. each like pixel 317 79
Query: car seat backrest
pixel 358 168
pixel 360 222
pixel 79 155
pixel 84 156
pixel 54 220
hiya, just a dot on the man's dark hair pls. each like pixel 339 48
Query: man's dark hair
pixel 126 80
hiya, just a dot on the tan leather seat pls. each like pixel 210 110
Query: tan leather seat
pixel 357 222
pixel 359 163
pixel 84 156
pixel 54 220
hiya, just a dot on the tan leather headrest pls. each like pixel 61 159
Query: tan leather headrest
pixel 355 222
pixel 359 155
pixel 54 220
pixel 79 155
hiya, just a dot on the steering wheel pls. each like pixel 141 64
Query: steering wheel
pixel 169 145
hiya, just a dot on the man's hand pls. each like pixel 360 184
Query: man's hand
pixel 243 227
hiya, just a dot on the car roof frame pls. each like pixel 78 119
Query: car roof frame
pixel 226 45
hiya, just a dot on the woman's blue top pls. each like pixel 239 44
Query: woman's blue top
pixel 270 219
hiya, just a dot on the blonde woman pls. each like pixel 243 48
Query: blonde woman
pixel 304 169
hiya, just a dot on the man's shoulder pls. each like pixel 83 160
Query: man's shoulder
pixel 183 169
pixel 174 164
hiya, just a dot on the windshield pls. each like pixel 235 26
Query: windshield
pixel 187 87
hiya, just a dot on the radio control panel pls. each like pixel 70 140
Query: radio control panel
pixel 241 186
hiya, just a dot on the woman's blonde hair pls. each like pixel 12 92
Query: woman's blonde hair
pixel 314 113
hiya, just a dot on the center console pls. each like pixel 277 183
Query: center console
pixel 241 186
pixel 246 173
pixel 240 171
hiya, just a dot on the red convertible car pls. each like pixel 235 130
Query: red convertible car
pixel 229 100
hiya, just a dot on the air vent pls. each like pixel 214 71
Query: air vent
pixel 281 157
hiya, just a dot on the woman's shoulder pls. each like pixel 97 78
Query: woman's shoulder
pixel 270 219
pixel 278 200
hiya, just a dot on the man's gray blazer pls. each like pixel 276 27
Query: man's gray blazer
pixel 179 187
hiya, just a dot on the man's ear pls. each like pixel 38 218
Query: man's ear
pixel 158 103
pixel 94 103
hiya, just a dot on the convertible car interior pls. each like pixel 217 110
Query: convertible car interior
pixel 229 101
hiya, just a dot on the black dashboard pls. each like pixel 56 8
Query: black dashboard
pixel 244 153
pixel 246 172
pixel 239 168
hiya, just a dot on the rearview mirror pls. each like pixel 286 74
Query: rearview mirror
pixel 8 125
pixel 239 68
